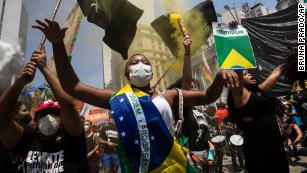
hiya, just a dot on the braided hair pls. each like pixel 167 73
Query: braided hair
pixel 290 67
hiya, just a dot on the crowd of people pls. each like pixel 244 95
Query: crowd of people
pixel 180 129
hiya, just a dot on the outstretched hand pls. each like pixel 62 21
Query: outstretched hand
pixel 230 77
pixel 52 30
pixel 233 24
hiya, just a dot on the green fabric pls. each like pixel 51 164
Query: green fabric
pixel 125 164
pixel 191 169
pixel 183 141
pixel 118 19
pixel 225 45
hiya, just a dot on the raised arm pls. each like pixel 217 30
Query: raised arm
pixel 67 76
pixel 187 69
pixel 69 116
pixel 10 130
pixel 272 79
pixel 195 98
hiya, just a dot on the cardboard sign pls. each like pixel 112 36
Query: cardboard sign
pixel 233 47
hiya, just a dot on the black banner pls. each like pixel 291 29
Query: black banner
pixel 271 35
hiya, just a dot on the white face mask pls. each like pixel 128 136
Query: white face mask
pixel 48 125
pixel 140 74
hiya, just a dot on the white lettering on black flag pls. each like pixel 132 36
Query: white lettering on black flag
pixel 38 161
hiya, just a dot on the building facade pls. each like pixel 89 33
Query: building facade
pixel 13 31
pixel 258 10
pixel 283 4
pixel 232 15
pixel 13 22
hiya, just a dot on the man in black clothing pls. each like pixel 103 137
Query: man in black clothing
pixel 58 142
pixel 109 139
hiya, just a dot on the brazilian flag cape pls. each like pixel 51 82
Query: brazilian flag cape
pixel 146 144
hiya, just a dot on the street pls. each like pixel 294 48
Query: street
pixel 298 166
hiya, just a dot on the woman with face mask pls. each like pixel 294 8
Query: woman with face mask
pixel 143 117
pixel 8 160
pixel 58 142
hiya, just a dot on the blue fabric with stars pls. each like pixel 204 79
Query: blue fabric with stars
pixel 161 141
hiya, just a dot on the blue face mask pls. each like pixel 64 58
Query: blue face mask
pixel 26 119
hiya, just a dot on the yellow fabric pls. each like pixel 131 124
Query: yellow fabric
pixel 296 86
pixel 236 59
pixel 127 88
pixel 175 162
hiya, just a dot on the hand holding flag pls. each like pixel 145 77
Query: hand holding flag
pixel 28 73
pixel 39 57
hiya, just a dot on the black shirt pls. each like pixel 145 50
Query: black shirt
pixel 109 133
pixel 263 144
pixel 93 159
pixel 65 154
pixel 7 161
pixel 195 127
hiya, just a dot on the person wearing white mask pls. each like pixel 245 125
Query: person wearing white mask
pixel 58 142
pixel 91 146
pixel 138 134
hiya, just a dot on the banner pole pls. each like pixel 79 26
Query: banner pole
pixel 55 10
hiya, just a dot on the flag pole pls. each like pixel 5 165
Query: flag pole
pixel 164 74
pixel 55 10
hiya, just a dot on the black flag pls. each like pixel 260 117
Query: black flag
pixel 118 19
pixel 198 22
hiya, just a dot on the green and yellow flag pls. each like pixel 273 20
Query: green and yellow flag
pixel 73 23
pixel 233 47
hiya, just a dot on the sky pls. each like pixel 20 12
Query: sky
pixel 87 54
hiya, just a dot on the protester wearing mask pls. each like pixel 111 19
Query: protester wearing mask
pixel 157 107
pixel 254 111
pixel 8 161
pixel 92 146
pixel 58 142
pixel 22 115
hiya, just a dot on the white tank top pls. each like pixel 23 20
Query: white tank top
pixel 165 110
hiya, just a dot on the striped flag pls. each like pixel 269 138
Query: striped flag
pixel 206 70
pixel 73 24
